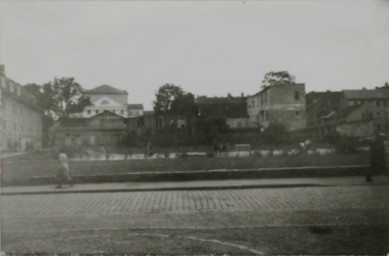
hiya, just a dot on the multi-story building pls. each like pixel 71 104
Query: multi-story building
pixel 101 123
pixel 378 102
pixel 108 98
pixel 21 118
pixel 357 113
pixel 278 104
pixel 106 128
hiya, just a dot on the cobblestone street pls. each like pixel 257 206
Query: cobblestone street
pixel 272 221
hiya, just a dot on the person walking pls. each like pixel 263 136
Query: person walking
pixel 378 162
pixel 63 172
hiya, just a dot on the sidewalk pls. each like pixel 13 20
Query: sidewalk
pixel 195 185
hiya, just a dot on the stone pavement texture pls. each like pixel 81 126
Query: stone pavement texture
pixel 118 203
pixel 194 185
pixel 244 221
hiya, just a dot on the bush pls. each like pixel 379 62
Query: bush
pixel 346 145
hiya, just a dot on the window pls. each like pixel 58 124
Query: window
pixel 296 95
pixel 297 115
pixel 121 111
pixel 88 111
pixel 97 111
pixel 378 104
pixel 266 115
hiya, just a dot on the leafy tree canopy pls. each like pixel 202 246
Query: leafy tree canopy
pixel 60 97
pixel 165 97
pixel 277 78
pixel 184 105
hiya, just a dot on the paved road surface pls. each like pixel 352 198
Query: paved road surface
pixel 310 220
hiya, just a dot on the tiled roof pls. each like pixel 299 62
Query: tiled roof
pixel 135 106
pixel 366 94
pixel 219 100
pixel 344 112
pixel 232 110
pixel 106 113
pixel 16 91
pixel 105 89
pixel 328 96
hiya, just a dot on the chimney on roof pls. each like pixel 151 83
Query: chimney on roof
pixel 229 95
pixel 2 70
pixel 242 95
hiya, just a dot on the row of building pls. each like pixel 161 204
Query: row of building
pixel 110 118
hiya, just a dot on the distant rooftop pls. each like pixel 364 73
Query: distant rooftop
pixel 219 100
pixel 105 89
pixel 366 94
pixel 344 112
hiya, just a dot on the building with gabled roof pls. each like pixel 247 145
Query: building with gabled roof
pixel 106 128
pixel 108 98
pixel 105 89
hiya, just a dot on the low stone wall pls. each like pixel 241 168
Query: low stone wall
pixel 331 171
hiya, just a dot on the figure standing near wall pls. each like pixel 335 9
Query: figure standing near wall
pixel 63 172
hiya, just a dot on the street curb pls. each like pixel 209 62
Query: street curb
pixel 121 190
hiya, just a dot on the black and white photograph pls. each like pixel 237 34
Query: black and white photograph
pixel 188 127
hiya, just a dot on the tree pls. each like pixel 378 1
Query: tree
pixel 277 78
pixel 63 97
pixel 184 105
pixel 165 96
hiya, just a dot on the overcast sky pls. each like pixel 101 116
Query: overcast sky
pixel 208 48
